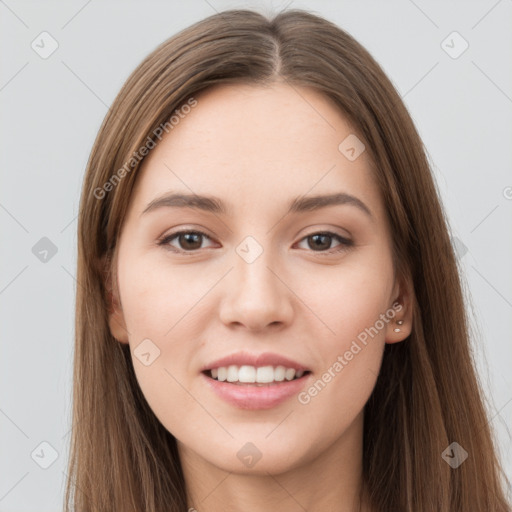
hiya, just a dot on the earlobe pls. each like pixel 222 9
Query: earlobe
pixel 118 328
pixel 400 327
pixel 116 321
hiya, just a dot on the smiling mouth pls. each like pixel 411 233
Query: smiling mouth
pixel 246 375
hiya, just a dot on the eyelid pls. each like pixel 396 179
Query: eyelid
pixel 344 243
pixel 164 240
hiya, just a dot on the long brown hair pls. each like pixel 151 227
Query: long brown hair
pixel 427 394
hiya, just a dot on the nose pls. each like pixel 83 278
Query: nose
pixel 255 295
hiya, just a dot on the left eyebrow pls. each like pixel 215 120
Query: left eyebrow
pixel 303 204
pixel 215 205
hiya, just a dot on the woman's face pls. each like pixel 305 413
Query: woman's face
pixel 264 285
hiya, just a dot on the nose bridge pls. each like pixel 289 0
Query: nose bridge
pixel 252 273
pixel 256 296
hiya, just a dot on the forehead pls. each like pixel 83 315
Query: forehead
pixel 253 145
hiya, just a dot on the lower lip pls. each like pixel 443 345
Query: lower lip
pixel 247 396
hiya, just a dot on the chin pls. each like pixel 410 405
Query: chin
pixel 255 457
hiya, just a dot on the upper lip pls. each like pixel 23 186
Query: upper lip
pixel 257 360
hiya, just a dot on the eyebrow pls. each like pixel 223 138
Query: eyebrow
pixel 215 205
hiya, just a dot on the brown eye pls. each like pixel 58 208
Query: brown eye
pixel 188 241
pixel 191 241
pixel 321 242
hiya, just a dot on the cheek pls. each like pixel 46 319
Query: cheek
pixel 351 360
pixel 160 309
pixel 350 299
pixel 356 313
pixel 157 299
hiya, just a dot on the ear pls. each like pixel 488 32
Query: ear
pixel 402 305
pixel 116 320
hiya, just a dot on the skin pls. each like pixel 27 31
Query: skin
pixel 257 148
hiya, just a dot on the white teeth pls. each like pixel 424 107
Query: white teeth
pixel 265 374
pixel 249 374
pixel 289 374
pixel 232 373
pixel 279 373
pixel 222 373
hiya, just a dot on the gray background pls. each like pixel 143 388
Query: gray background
pixel 53 107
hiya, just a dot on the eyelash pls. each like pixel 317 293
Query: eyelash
pixel 345 243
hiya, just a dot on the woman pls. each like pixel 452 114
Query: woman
pixel 270 314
